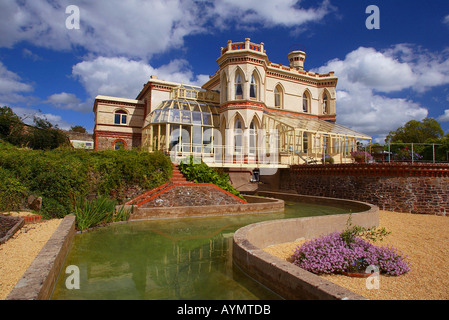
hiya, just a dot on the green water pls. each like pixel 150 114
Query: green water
pixel 169 259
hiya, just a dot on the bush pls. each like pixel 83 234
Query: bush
pixel 12 191
pixel 202 173
pixel 60 175
pixel 91 213
pixel 361 156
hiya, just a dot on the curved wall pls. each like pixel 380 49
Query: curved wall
pixel 286 279
pixel 403 187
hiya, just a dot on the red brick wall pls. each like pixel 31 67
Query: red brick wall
pixel 401 187
pixel 106 140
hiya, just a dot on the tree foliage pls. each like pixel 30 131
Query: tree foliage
pixel 78 129
pixel 416 132
pixel 42 136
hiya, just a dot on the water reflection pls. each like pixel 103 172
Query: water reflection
pixel 167 259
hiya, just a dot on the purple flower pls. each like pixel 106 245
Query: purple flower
pixel 331 254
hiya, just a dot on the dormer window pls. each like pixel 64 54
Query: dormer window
pixel 120 117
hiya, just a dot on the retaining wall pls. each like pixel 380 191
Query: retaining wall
pixel 254 205
pixel 286 279
pixel 402 187
pixel 39 279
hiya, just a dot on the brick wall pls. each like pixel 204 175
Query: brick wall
pixel 401 187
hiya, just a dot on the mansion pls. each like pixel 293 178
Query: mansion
pixel 252 113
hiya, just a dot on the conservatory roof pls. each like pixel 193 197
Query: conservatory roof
pixel 189 112
pixel 301 123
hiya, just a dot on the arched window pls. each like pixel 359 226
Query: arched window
pixel 252 138
pixel 238 86
pixel 120 117
pixel 325 104
pixel 238 136
pixel 253 87
pixel 278 97
pixel 306 102
pixel 225 89
pixel 119 145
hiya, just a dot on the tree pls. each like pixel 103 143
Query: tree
pixel 45 136
pixel 79 129
pixel 8 121
pixel 416 132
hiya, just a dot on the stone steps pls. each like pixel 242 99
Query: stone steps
pixel 176 179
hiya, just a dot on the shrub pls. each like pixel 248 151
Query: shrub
pixel 91 213
pixel 202 173
pixel 12 191
pixel 405 154
pixel 361 156
pixel 328 159
pixel 60 175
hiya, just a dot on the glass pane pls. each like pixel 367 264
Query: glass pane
pixel 123 118
pixel 174 116
pixel 207 119
pixel 117 119
pixel 186 117
pixel 196 117
pixel 252 91
pixel 156 115
pixel 164 116
pixel 196 138
pixel 238 91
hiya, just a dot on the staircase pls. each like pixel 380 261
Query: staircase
pixel 177 176
pixel 176 179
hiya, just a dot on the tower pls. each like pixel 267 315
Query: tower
pixel 296 59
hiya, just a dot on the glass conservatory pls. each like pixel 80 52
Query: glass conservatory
pixel 185 123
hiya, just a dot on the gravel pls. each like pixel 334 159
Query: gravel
pixel 20 250
pixel 424 239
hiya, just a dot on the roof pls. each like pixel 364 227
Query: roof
pixel 314 125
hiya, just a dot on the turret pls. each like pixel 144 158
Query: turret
pixel 296 59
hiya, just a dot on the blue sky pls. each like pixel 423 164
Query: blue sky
pixel 387 76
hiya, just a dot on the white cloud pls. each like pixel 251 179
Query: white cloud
pixel 444 117
pixel 367 76
pixel 430 69
pixel 286 13
pixel 446 20
pixel 28 115
pixel 12 86
pixel 121 77
pixel 140 28
pixel 65 100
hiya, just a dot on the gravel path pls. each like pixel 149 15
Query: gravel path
pixel 20 250
pixel 423 238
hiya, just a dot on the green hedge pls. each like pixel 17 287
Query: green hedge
pixel 61 175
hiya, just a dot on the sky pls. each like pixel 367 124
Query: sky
pixel 392 63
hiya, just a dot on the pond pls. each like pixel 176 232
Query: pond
pixel 169 259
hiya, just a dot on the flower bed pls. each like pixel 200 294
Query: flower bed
pixel 333 254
